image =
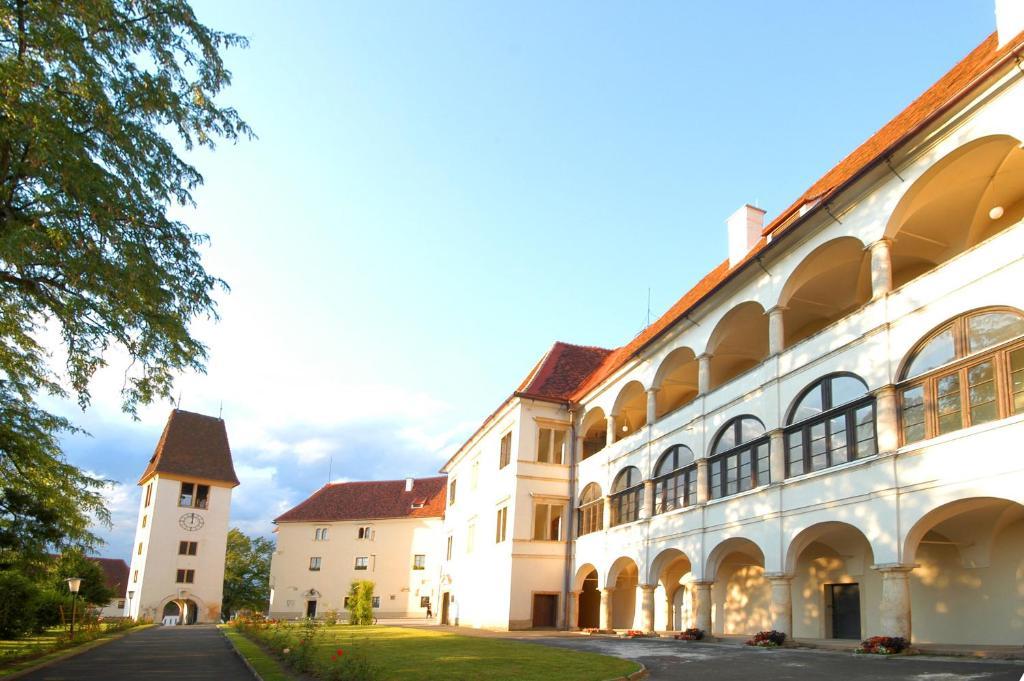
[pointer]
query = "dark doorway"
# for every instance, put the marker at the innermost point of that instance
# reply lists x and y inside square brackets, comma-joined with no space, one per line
[444,608]
[545,609]
[310,609]
[191,612]
[845,610]
[589,616]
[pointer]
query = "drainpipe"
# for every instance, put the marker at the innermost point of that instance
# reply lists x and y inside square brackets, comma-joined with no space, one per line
[570,524]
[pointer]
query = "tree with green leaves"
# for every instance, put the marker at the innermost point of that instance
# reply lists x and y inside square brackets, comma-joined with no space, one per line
[360,601]
[99,99]
[246,573]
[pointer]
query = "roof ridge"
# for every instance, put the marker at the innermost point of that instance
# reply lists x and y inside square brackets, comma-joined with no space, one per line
[377,482]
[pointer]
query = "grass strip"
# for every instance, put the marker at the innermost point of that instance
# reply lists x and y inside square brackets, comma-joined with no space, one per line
[266,666]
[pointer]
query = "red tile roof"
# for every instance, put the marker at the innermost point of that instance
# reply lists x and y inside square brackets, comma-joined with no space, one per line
[371,500]
[115,574]
[193,445]
[561,370]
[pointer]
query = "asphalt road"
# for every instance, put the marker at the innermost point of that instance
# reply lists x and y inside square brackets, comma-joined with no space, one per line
[667,659]
[196,653]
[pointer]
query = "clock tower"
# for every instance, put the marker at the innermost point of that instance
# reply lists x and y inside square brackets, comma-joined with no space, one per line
[181,536]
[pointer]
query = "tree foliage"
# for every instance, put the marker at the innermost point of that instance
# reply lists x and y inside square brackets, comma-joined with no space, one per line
[72,563]
[360,602]
[98,99]
[246,573]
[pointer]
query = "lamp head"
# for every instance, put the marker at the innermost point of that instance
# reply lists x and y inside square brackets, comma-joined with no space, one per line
[74,584]
[131,594]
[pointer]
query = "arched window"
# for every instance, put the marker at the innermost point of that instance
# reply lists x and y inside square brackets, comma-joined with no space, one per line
[967,372]
[627,496]
[591,510]
[675,480]
[739,458]
[831,422]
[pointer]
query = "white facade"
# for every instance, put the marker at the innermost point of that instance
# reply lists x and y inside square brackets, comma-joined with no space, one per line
[918,534]
[315,562]
[157,558]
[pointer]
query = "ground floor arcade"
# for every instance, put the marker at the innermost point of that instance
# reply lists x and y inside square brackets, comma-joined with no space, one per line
[959,579]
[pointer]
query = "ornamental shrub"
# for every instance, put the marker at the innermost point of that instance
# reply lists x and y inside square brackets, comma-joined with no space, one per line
[360,602]
[883,645]
[350,664]
[767,639]
[691,634]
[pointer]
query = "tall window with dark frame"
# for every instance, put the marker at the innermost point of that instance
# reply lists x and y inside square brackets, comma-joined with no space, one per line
[968,372]
[675,480]
[739,459]
[194,495]
[627,496]
[505,450]
[590,515]
[831,422]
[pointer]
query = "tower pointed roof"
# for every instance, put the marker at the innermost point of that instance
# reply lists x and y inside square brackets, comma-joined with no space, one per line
[193,445]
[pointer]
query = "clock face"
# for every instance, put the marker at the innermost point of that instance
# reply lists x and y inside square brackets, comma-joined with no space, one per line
[191,522]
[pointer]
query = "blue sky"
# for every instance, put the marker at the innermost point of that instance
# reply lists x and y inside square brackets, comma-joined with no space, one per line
[442,189]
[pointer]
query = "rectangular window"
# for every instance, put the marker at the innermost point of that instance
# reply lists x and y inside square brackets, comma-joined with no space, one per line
[120,604]
[547,522]
[187,548]
[194,496]
[981,393]
[419,561]
[912,400]
[320,534]
[474,475]
[362,562]
[187,495]
[344,604]
[505,450]
[470,538]
[1017,381]
[748,468]
[186,576]
[145,519]
[139,551]
[449,552]
[949,407]
[149,494]
[451,493]
[202,496]
[365,533]
[550,445]
[591,517]
[314,564]
[375,603]
[135,576]
[499,527]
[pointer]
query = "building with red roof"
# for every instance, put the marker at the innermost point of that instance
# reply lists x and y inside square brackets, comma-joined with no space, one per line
[819,437]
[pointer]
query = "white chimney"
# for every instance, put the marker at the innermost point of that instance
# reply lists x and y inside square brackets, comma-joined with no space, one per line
[408,484]
[745,227]
[1009,19]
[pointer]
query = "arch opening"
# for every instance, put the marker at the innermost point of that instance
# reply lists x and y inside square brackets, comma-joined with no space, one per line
[630,410]
[624,578]
[595,433]
[830,283]
[671,572]
[741,594]
[738,343]
[968,196]
[676,381]
[589,613]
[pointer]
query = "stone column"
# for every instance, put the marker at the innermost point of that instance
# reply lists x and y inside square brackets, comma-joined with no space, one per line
[647,608]
[670,609]
[606,513]
[574,611]
[776,331]
[782,603]
[702,604]
[647,508]
[652,405]
[881,268]
[777,455]
[886,419]
[895,603]
[610,429]
[606,608]
[703,373]
[702,481]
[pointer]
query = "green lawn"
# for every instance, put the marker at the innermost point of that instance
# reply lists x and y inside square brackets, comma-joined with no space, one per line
[425,655]
[266,666]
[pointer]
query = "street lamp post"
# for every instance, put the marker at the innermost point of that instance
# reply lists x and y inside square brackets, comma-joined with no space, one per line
[131,595]
[74,584]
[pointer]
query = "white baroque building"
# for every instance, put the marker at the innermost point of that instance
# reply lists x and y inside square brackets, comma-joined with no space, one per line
[822,437]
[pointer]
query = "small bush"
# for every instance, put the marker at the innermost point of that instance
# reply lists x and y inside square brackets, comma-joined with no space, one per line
[352,664]
[18,603]
[691,634]
[883,645]
[767,639]
[360,602]
[53,609]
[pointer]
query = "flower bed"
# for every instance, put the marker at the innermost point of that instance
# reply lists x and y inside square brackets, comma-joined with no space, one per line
[692,634]
[767,639]
[635,633]
[296,645]
[883,645]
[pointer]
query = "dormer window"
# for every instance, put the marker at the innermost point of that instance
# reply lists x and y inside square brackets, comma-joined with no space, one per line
[365,533]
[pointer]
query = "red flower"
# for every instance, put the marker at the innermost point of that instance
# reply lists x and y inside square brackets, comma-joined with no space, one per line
[340,652]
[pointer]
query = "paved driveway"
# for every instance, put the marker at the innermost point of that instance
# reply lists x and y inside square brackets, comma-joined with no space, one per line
[197,652]
[668,659]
